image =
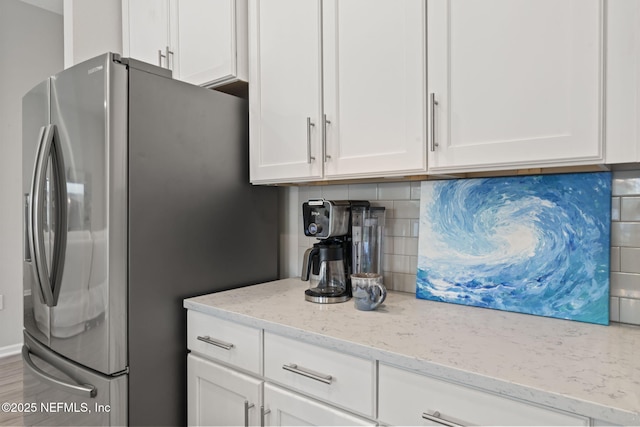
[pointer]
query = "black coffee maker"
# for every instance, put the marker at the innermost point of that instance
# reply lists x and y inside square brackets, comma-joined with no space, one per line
[328,264]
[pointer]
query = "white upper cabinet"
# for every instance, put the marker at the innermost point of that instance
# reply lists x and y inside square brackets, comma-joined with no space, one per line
[623,82]
[203,42]
[146,30]
[374,87]
[285,104]
[515,83]
[338,89]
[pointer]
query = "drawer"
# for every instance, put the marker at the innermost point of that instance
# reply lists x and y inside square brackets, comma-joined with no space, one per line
[405,396]
[344,380]
[225,341]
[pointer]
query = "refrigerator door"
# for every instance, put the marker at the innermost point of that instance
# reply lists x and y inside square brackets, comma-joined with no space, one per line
[58,392]
[36,116]
[80,311]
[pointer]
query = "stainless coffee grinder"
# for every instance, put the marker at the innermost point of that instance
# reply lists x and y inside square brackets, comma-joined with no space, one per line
[328,264]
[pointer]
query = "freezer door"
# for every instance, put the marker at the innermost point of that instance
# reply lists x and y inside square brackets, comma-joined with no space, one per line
[58,392]
[76,217]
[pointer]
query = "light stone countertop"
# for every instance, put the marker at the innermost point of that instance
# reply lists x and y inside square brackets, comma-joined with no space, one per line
[582,368]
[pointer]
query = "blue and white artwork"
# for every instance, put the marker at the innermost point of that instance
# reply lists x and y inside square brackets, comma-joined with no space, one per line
[529,244]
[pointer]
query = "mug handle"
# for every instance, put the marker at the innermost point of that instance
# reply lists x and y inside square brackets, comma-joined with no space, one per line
[383,294]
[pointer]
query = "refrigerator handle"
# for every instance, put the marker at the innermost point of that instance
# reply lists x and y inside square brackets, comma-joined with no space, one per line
[86,390]
[32,209]
[26,246]
[49,282]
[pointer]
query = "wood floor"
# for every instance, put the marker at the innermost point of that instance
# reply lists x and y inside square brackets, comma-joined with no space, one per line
[11,388]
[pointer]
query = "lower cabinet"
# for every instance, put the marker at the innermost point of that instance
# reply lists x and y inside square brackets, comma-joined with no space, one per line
[241,375]
[409,398]
[221,396]
[285,408]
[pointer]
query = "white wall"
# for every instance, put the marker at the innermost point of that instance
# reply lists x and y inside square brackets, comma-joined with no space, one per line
[91,28]
[32,49]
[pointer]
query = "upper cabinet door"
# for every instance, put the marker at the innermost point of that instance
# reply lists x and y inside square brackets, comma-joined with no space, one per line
[203,42]
[210,41]
[146,37]
[285,102]
[374,87]
[514,83]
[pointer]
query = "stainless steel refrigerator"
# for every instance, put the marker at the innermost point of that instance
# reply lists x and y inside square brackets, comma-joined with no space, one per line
[136,196]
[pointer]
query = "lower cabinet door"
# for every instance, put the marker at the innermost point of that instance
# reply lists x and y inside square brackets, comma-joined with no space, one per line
[221,396]
[284,408]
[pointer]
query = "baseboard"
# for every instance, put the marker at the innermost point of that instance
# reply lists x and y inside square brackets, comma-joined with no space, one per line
[10,350]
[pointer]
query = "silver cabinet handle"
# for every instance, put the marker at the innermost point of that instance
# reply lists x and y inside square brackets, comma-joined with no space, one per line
[309,125]
[169,56]
[292,367]
[434,103]
[324,138]
[85,390]
[160,56]
[215,342]
[263,412]
[434,416]
[247,406]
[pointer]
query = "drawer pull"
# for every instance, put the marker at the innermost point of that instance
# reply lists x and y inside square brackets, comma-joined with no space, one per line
[292,367]
[217,343]
[434,416]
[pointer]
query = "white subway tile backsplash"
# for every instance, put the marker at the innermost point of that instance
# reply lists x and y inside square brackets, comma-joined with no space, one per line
[389,245]
[404,245]
[335,192]
[363,191]
[630,209]
[614,309]
[625,285]
[413,264]
[625,234]
[415,190]
[626,183]
[615,209]
[630,260]
[310,192]
[394,191]
[398,264]
[406,208]
[415,227]
[614,259]
[403,282]
[630,311]
[398,227]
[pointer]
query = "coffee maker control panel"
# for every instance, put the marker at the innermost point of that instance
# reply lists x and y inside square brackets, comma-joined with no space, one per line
[325,218]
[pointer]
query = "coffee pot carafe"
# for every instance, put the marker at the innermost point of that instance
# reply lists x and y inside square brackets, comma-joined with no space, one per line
[324,267]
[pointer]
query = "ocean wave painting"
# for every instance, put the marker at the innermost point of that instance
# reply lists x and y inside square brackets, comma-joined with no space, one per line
[530,244]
